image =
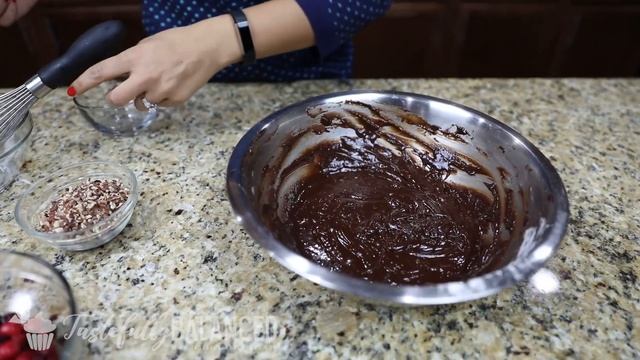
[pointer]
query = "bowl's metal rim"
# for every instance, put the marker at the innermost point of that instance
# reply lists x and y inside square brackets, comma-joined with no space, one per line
[430,294]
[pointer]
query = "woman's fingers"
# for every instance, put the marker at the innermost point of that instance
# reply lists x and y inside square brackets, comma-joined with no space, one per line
[157,94]
[4,5]
[178,97]
[12,10]
[108,69]
[23,7]
[166,68]
[169,103]
[127,91]
[8,12]
[168,96]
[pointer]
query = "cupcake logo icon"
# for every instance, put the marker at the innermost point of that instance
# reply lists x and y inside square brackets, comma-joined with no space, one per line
[39,333]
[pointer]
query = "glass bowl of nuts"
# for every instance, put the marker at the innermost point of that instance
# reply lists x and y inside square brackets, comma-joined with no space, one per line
[37,309]
[79,207]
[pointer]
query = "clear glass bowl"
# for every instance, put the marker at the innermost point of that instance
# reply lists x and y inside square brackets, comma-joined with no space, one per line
[35,200]
[32,288]
[111,120]
[13,151]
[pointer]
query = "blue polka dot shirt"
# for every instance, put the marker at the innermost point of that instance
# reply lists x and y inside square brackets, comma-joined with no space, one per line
[334,22]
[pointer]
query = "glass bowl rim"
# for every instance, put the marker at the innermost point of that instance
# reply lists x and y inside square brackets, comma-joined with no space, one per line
[77,101]
[57,273]
[27,120]
[78,236]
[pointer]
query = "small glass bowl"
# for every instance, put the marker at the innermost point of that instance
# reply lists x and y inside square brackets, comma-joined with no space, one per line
[111,120]
[32,288]
[12,152]
[39,196]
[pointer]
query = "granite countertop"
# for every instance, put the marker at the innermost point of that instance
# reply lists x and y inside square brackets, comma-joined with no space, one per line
[184,264]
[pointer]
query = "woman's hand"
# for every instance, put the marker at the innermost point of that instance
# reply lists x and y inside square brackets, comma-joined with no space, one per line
[168,67]
[12,10]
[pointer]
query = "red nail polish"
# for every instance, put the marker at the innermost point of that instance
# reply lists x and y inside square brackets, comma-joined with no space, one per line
[71,91]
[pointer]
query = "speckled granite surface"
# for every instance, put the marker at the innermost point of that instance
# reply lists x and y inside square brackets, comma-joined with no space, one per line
[187,274]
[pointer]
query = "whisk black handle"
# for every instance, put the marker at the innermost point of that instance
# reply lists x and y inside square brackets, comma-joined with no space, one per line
[98,43]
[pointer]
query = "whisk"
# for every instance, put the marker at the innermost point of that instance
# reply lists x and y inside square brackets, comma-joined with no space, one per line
[98,43]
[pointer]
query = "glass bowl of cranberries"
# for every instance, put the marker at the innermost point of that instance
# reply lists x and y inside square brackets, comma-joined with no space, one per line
[79,207]
[36,309]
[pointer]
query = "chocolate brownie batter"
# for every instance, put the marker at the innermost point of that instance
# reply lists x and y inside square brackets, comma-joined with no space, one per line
[376,202]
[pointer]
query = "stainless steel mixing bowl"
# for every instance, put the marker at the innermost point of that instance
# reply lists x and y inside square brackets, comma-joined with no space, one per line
[542,207]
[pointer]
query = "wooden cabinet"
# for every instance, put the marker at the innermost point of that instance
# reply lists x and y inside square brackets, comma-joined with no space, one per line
[52,26]
[502,38]
[601,42]
[410,41]
[416,38]
[17,61]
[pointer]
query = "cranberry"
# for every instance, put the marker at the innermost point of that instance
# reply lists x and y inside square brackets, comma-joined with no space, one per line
[11,329]
[52,354]
[49,354]
[6,317]
[31,355]
[13,343]
[21,340]
[10,349]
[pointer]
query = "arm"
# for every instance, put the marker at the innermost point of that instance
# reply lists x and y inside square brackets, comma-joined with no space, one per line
[279,26]
[335,22]
[12,10]
[171,65]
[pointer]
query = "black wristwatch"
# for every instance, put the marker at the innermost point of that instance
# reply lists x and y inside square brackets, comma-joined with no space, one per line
[245,36]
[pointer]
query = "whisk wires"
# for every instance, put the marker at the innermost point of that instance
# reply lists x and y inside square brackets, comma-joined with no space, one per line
[14,105]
